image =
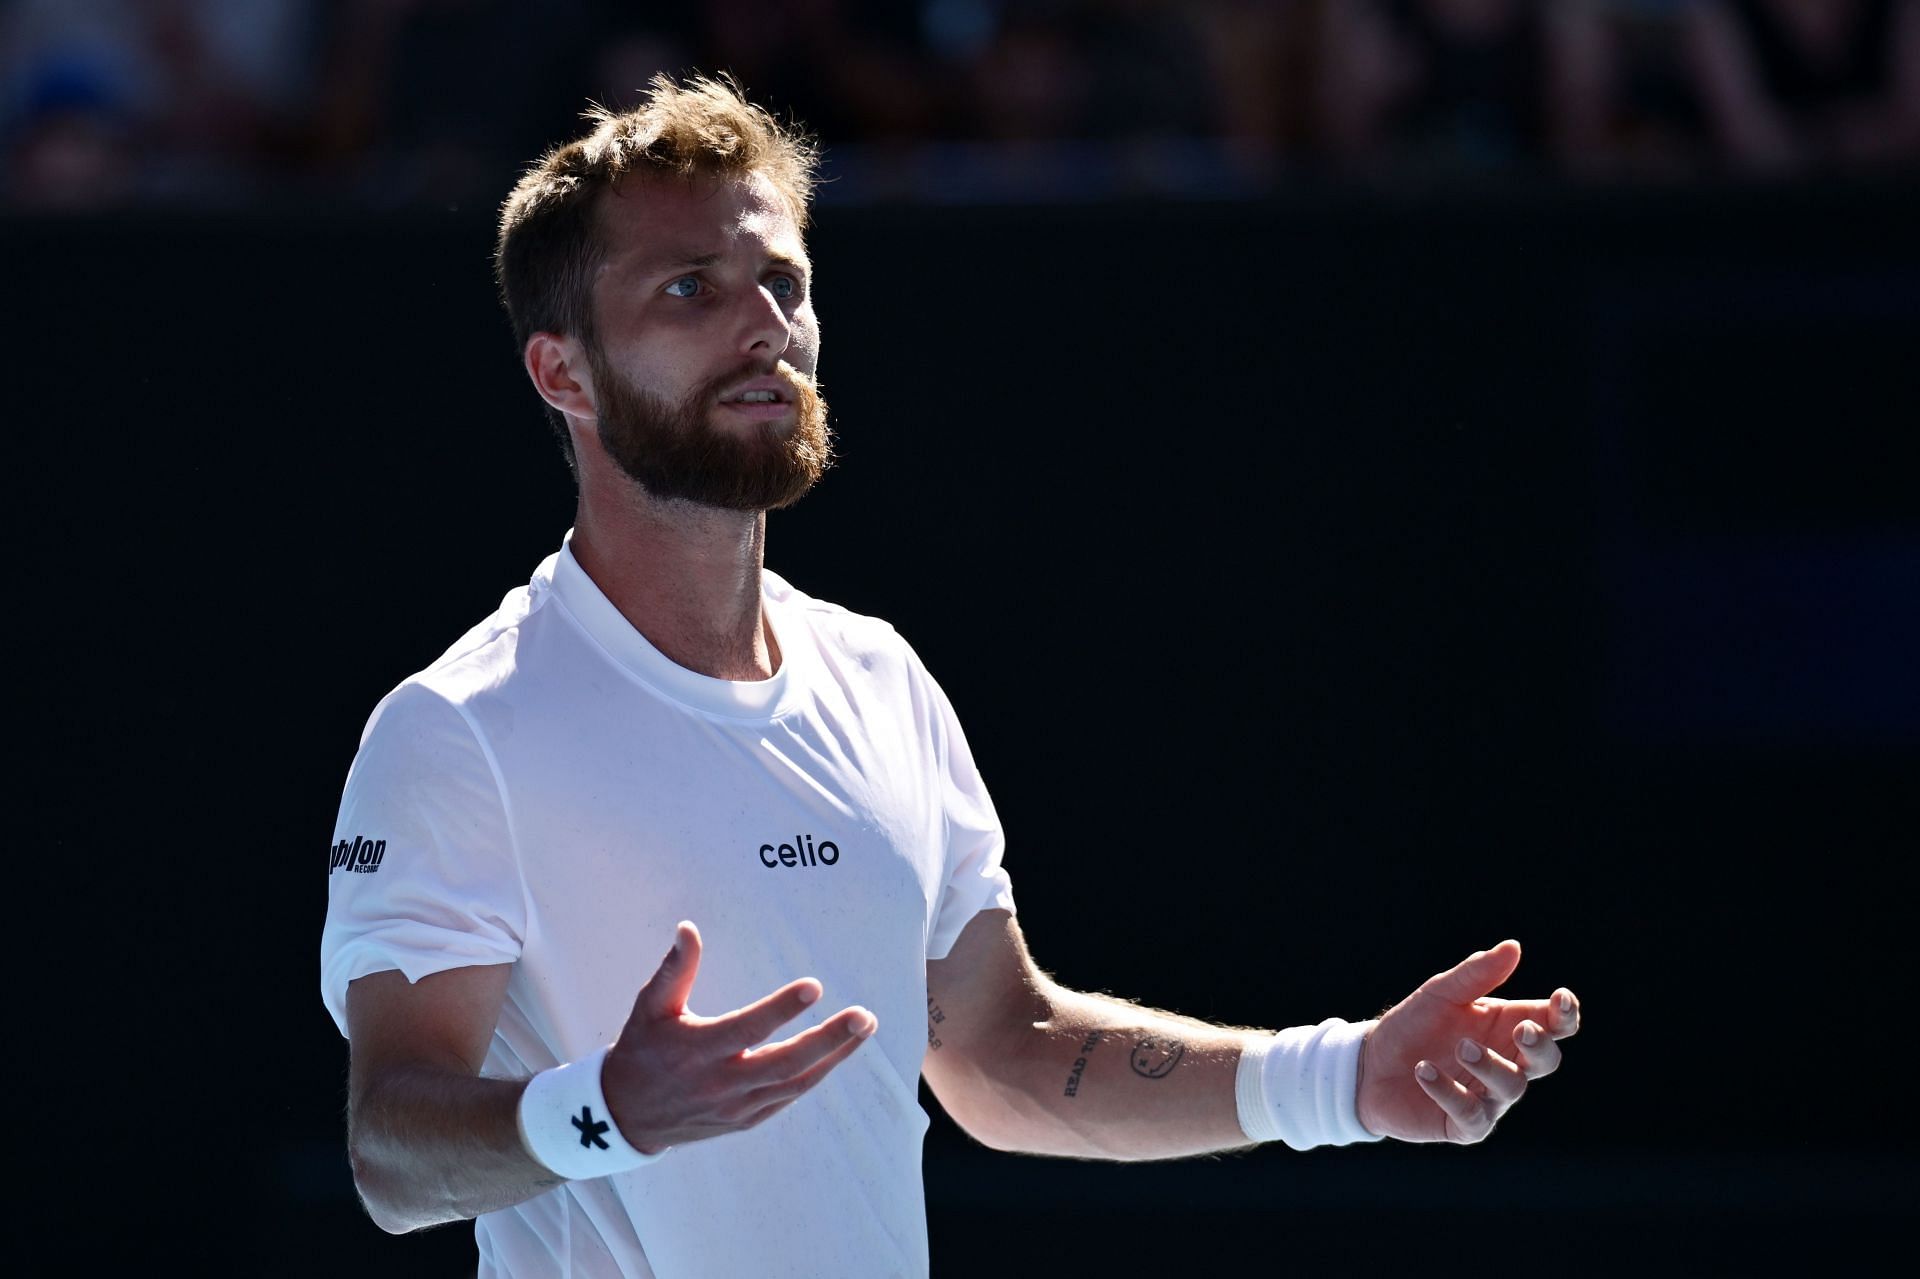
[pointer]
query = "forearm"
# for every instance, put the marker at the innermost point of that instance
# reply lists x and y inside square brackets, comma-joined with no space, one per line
[1025,1065]
[1098,1078]
[429,1146]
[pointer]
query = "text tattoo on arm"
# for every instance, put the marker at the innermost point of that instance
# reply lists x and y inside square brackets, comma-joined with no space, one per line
[1080,1063]
[934,1018]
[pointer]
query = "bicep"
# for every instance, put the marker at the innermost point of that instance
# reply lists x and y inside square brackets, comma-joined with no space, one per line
[981,998]
[444,1021]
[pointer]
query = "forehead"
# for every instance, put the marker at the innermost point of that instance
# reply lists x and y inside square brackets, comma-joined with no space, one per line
[662,220]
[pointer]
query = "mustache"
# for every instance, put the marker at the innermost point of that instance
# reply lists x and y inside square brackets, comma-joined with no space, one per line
[711,390]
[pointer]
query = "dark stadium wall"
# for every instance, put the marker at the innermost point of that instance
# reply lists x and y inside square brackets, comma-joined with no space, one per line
[1328,588]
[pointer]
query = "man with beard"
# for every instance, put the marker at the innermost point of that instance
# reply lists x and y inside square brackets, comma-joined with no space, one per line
[655,731]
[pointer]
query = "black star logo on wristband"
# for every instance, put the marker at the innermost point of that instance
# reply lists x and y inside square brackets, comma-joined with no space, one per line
[590,1128]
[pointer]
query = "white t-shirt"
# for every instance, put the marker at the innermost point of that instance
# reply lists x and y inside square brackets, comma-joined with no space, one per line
[556,794]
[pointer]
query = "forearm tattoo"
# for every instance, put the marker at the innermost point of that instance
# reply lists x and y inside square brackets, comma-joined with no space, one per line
[1156,1055]
[1080,1063]
[1153,1057]
[934,1018]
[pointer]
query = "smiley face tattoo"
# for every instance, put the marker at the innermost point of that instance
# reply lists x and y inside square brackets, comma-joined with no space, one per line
[1156,1055]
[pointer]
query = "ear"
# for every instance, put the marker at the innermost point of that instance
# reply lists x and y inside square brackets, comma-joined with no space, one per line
[558,367]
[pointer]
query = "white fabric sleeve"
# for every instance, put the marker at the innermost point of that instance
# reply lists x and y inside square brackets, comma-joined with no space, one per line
[422,872]
[975,880]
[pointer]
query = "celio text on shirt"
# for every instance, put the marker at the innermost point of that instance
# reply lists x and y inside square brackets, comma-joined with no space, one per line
[801,852]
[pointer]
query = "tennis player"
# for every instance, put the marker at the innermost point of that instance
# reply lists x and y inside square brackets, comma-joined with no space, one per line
[639,893]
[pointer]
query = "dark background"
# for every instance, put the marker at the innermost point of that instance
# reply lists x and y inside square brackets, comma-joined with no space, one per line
[1375,477]
[1330,585]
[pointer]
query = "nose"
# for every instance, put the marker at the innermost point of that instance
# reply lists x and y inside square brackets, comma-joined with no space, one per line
[765,329]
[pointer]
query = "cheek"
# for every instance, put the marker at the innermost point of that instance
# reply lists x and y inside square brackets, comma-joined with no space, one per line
[805,343]
[663,374]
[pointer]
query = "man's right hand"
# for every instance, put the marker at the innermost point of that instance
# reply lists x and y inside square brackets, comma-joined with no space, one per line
[673,1077]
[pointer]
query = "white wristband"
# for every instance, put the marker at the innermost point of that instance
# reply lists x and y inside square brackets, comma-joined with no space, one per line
[565,1123]
[1301,1086]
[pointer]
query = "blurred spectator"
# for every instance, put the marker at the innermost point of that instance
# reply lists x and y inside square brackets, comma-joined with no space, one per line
[393,102]
[626,45]
[109,100]
[860,70]
[70,134]
[1654,126]
[778,52]
[425,100]
[1794,85]
[625,61]
[1031,81]
[1459,85]
[1259,60]
[1148,72]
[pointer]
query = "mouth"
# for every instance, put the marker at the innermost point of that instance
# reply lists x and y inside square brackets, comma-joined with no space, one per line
[763,399]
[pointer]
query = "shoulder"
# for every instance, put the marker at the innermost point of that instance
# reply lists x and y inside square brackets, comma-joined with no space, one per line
[835,629]
[485,658]
[866,652]
[434,707]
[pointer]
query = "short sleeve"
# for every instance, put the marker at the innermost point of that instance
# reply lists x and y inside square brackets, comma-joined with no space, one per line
[422,873]
[975,880]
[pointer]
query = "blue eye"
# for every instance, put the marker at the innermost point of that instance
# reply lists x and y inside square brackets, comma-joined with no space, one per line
[783,286]
[692,283]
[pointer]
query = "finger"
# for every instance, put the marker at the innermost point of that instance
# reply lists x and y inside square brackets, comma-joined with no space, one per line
[787,1089]
[1467,1115]
[748,1026]
[774,1063]
[1539,1056]
[666,992]
[1563,1014]
[760,1116]
[1502,1079]
[1475,975]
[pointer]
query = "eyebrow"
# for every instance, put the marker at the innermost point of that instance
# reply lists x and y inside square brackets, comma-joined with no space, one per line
[674,259]
[681,257]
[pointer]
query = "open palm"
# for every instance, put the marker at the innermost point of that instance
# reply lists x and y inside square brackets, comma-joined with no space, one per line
[1447,1061]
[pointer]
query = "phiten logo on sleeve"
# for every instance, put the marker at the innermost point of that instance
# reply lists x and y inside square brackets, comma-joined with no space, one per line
[361,857]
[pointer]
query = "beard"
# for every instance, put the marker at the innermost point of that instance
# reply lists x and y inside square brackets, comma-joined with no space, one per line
[675,452]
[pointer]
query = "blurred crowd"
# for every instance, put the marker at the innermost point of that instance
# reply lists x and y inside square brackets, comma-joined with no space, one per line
[209,103]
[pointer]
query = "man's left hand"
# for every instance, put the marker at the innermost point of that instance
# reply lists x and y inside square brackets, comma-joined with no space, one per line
[1448,1060]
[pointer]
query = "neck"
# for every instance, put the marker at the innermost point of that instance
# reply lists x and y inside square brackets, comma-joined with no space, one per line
[687,577]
